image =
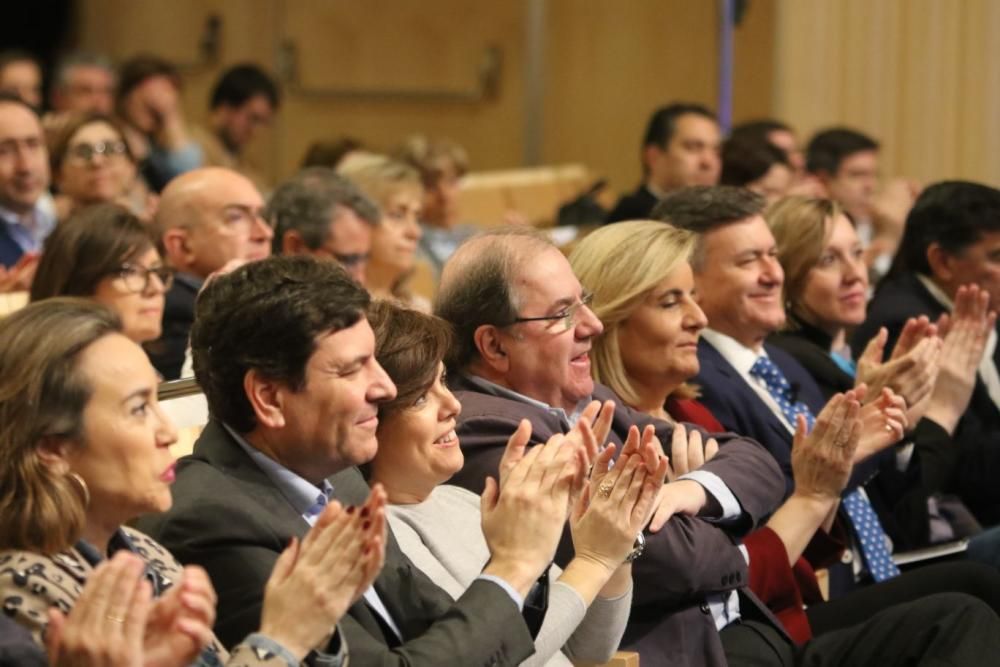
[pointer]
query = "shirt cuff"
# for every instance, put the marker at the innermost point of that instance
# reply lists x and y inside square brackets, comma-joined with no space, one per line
[745,552]
[264,645]
[514,595]
[714,486]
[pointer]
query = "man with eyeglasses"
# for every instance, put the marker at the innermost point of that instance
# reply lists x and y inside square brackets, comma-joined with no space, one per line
[27,214]
[320,213]
[523,335]
[208,219]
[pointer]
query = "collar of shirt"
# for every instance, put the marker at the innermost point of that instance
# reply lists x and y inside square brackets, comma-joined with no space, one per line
[936,291]
[190,280]
[498,390]
[307,499]
[119,541]
[655,191]
[736,353]
[30,229]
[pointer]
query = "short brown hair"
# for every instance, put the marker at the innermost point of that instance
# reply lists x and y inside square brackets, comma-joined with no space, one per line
[800,229]
[89,246]
[43,395]
[409,345]
[60,140]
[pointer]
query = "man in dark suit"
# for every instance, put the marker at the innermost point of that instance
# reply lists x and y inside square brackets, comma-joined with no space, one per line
[26,211]
[523,333]
[952,238]
[207,218]
[285,356]
[680,148]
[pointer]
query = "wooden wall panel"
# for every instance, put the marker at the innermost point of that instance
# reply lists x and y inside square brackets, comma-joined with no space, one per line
[607,65]
[922,76]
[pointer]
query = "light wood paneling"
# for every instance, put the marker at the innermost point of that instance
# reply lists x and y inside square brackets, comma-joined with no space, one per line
[922,76]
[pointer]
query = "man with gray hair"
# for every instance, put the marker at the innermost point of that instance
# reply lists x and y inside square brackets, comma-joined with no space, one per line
[83,82]
[320,213]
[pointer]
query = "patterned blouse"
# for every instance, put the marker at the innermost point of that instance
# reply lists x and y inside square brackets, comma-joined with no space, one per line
[31,583]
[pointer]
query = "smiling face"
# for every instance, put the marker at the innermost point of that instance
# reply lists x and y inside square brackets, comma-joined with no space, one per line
[545,360]
[141,312]
[330,422]
[739,280]
[417,445]
[124,456]
[102,176]
[835,290]
[658,341]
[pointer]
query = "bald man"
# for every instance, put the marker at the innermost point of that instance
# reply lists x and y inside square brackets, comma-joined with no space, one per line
[207,219]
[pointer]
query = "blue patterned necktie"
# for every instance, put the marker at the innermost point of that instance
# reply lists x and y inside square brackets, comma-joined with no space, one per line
[871,537]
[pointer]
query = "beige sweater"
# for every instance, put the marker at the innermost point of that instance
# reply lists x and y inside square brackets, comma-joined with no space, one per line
[443,537]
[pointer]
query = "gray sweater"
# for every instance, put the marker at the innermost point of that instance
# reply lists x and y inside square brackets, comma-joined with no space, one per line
[443,537]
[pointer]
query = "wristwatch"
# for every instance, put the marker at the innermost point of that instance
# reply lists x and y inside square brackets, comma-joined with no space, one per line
[637,548]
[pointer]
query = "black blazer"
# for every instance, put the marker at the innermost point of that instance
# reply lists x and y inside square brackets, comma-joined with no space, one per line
[978,432]
[635,206]
[899,497]
[229,518]
[167,352]
[17,648]
[10,251]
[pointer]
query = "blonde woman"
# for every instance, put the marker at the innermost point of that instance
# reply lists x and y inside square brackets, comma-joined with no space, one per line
[397,190]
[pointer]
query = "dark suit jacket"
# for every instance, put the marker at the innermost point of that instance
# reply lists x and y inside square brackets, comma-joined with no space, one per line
[635,206]
[739,408]
[978,432]
[167,351]
[899,497]
[689,558]
[229,518]
[17,648]
[10,251]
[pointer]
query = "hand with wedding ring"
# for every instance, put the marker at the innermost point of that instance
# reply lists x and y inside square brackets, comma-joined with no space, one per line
[883,422]
[106,625]
[822,460]
[605,522]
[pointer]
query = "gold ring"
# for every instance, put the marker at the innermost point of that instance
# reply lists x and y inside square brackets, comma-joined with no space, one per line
[606,488]
[115,619]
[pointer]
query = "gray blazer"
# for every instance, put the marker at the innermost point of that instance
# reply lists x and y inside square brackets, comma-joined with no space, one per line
[229,518]
[689,558]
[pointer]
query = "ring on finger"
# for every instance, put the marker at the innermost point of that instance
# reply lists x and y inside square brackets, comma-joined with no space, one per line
[115,619]
[606,488]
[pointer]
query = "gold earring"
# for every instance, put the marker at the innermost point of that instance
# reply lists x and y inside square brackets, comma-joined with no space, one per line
[82,486]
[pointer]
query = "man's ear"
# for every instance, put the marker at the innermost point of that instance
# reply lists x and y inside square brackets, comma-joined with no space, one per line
[54,453]
[492,347]
[265,398]
[292,243]
[940,261]
[650,154]
[177,247]
[822,178]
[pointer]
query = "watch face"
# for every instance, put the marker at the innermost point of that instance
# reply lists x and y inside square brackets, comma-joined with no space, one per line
[637,548]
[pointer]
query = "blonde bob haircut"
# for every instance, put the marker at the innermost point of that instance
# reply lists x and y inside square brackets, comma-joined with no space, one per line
[42,398]
[620,265]
[381,177]
[800,229]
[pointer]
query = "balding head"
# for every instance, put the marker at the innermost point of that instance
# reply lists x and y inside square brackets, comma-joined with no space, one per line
[477,281]
[520,317]
[211,216]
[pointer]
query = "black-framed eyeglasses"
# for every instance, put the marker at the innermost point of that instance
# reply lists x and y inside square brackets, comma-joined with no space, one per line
[136,278]
[568,315]
[86,152]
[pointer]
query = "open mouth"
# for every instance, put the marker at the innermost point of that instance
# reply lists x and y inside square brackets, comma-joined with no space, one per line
[170,474]
[449,439]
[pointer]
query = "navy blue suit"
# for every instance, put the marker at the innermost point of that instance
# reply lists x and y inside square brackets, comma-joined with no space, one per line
[10,251]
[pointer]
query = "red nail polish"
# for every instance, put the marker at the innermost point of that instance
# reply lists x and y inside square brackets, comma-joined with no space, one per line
[350,510]
[365,512]
[366,525]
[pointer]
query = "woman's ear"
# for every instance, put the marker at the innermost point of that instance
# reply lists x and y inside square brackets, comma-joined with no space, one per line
[265,398]
[53,451]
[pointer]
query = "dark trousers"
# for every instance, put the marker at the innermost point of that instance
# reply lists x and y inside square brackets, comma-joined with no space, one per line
[938,630]
[977,580]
